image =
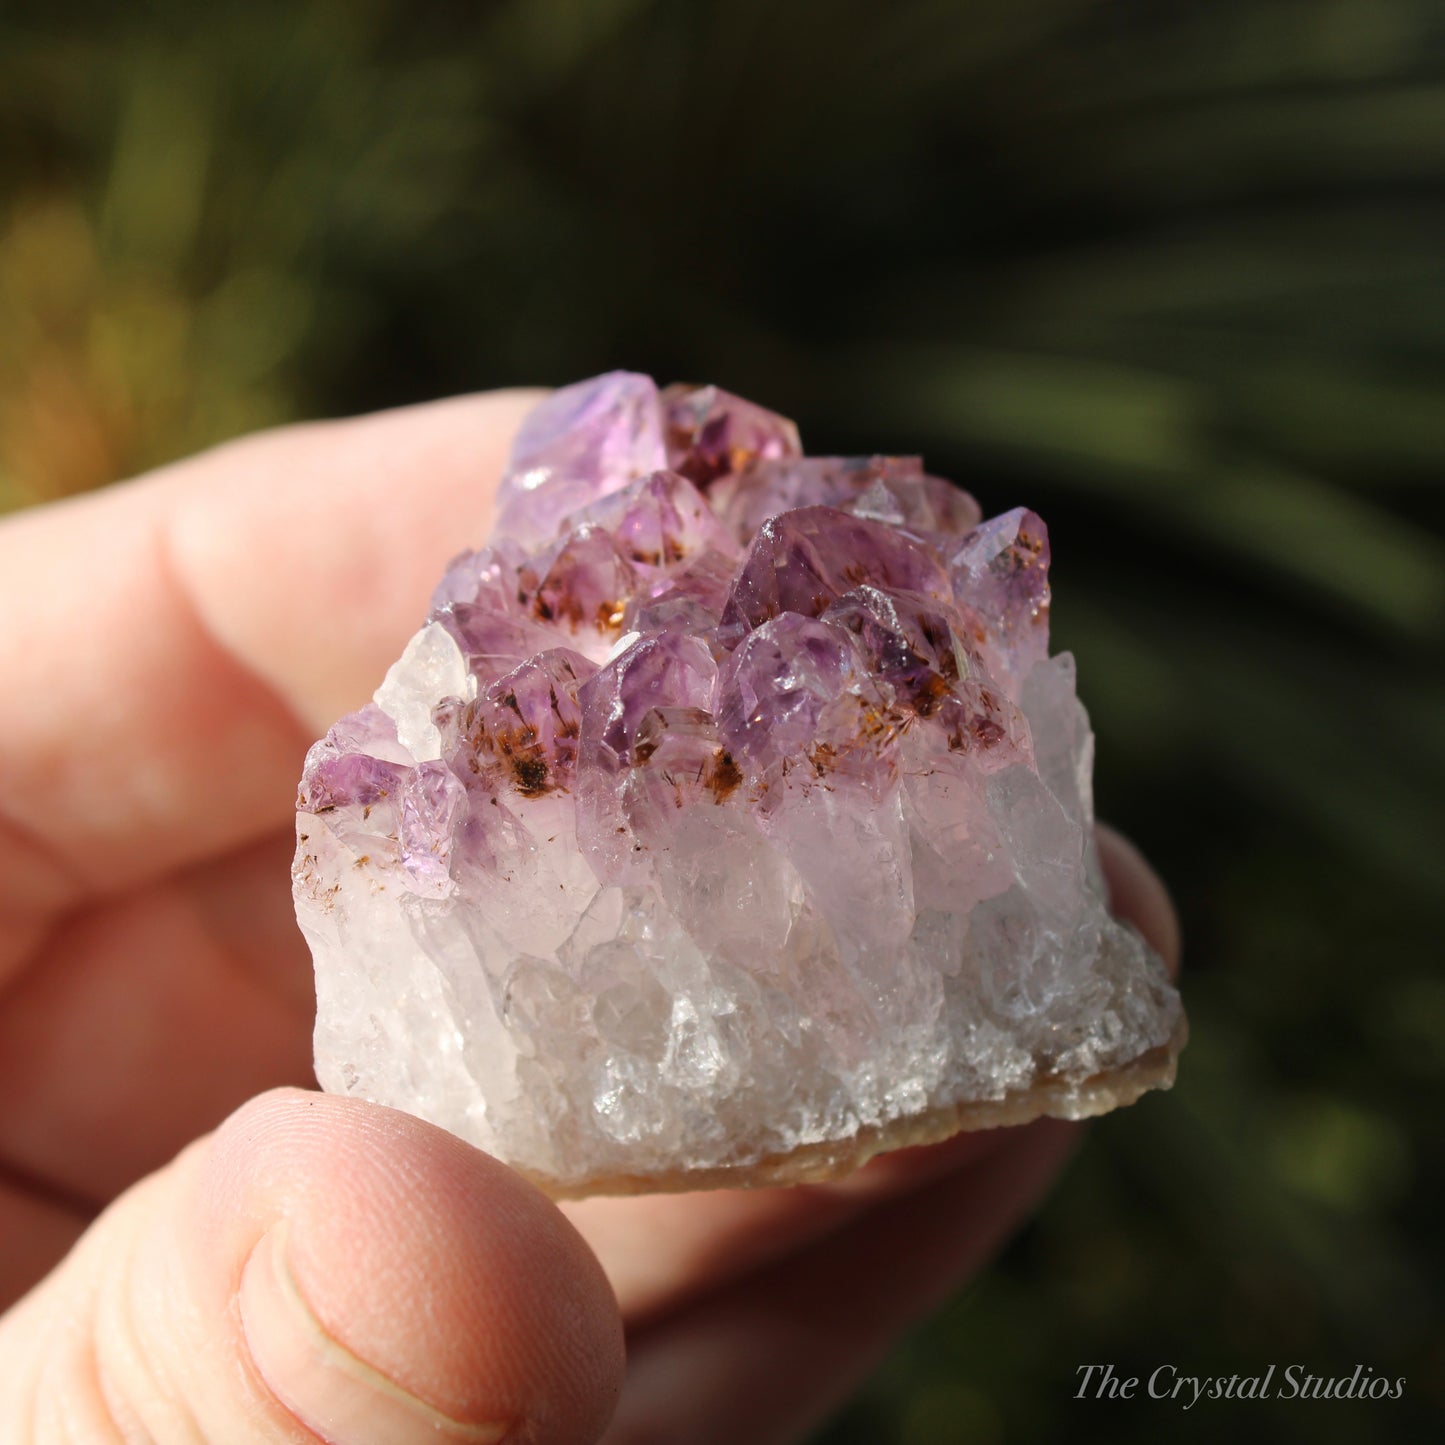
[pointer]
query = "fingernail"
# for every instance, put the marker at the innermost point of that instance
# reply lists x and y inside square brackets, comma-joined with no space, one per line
[342,1399]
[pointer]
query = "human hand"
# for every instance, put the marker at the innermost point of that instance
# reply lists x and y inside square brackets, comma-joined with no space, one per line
[169,649]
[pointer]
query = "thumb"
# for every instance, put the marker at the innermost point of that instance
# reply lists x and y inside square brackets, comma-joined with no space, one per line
[319,1269]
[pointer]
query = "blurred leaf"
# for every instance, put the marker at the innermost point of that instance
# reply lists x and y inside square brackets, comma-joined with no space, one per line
[1331,1150]
[1152,441]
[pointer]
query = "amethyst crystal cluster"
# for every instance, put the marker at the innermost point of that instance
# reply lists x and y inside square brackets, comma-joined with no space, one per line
[727,820]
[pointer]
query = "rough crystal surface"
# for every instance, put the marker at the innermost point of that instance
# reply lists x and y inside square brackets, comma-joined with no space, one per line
[727,820]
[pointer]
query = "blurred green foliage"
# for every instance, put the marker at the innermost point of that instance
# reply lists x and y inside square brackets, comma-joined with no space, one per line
[1173,274]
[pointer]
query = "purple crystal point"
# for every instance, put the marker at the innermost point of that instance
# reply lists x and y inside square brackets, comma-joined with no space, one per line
[479,603]
[1002,567]
[803,560]
[482,578]
[725,820]
[368,734]
[352,796]
[521,734]
[431,800]
[689,600]
[678,763]
[777,684]
[581,443]
[894,490]
[922,651]
[580,586]
[661,523]
[352,781]
[672,672]
[710,433]
[493,642]
[923,505]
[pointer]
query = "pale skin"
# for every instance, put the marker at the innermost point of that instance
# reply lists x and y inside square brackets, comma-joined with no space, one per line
[312,1268]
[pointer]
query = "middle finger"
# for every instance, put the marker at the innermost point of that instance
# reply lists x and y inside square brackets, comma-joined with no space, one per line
[148,1019]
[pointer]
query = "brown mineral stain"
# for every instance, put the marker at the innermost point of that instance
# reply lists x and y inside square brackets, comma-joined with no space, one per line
[928,696]
[559,602]
[986,731]
[531,775]
[823,756]
[941,641]
[518,740]
[726,776]
[878,723]
[700,467]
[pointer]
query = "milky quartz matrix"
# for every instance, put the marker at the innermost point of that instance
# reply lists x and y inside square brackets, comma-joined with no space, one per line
[726,822]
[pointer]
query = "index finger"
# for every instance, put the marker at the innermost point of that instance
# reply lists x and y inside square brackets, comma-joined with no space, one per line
[171,646]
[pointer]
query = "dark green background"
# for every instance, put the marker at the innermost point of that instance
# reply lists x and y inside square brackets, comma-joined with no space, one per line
[1172,273]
